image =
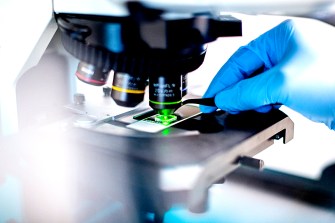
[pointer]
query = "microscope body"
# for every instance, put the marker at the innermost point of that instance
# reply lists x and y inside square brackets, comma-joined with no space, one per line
[25,36]
[142,44]
[146,47]
[158,35]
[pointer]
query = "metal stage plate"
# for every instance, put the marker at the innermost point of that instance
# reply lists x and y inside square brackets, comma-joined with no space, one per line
[79,168]
[192,141]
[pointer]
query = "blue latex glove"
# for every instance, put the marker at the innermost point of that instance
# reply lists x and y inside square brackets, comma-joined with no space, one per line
[299,72]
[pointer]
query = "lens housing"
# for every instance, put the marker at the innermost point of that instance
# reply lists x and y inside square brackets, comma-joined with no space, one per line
[165,92]
[128,90]
[141,45]
[91,74]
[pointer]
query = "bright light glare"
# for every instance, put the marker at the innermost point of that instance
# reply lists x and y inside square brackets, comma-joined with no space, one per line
[179,178]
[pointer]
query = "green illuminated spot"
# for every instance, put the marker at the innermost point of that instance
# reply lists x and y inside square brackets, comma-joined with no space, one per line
[165,112]
[165,119]
[166,132]
[165,102]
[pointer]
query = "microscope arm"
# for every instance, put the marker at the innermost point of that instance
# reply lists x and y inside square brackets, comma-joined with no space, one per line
[283,7]
[117,8]
[26,30]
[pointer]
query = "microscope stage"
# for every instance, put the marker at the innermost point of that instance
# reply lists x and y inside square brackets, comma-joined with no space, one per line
[192,139]
[145,172]
[181,161]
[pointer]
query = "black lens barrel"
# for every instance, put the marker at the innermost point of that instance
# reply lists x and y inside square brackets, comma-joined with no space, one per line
[91,74]
[165,92]
[128,90]
[139,48]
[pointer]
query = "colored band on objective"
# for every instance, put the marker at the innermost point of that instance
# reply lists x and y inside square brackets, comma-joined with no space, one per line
[165,103]
[127,90]
[89,80]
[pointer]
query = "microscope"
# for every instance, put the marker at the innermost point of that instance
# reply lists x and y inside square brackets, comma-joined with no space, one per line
[147,48]
[151,157]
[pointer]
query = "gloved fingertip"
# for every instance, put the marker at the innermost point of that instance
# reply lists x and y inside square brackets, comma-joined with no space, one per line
[267,108]
[276,106]
[207,109]
[264,109]
[332,125]
[233,112]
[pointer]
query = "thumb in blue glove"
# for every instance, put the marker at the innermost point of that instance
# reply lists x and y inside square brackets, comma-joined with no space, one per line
[299,72]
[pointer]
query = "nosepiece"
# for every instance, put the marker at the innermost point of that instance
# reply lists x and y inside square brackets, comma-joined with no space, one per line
[146,44]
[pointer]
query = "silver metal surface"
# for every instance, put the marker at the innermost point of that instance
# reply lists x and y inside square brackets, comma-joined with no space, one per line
[96,165]
[201,155]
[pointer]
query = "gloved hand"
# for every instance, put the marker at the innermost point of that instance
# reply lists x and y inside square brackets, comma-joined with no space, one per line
[299,71]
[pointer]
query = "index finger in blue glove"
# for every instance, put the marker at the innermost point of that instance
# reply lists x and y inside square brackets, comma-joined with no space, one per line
[257,93]
[243,63]
[265,51]
[240,65]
